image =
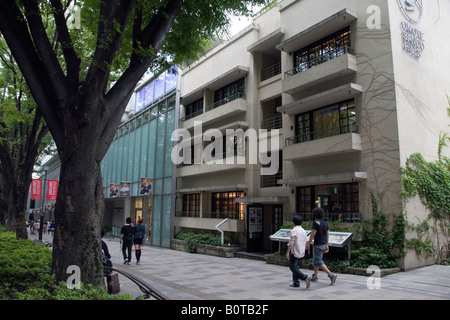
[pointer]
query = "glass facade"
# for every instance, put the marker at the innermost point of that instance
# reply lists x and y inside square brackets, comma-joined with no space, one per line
[323,50]
[339,201]
[339,118]
[140,158]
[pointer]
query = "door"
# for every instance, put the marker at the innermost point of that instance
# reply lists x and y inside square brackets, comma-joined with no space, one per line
[255,241]
[277,222]
[325,203]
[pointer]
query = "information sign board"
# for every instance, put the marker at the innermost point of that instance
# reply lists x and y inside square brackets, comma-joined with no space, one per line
[335,239]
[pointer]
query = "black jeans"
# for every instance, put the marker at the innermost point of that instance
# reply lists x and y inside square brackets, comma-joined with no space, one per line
[296,273]
[127,245]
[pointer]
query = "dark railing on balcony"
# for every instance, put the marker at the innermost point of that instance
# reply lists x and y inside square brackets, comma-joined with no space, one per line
[272,123]
[335,131]
[335,216]
[214,215]
[271,71]
[190,214]
[324,57]
[192,115]
[271,181]
[239,95]
[221,215]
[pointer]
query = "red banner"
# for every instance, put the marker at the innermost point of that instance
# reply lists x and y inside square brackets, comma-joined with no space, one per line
[36,189]
[52,189]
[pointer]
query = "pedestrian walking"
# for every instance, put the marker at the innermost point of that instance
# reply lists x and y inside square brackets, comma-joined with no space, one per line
[139,234]
[296,252]
[126,238]
[320,234]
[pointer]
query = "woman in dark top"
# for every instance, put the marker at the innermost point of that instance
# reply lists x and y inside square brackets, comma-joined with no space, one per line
[139,234]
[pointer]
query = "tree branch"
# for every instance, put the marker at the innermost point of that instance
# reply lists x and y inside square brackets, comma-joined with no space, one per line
[45,49]
[152,36]
[14,29]
[114,16]
[70,56]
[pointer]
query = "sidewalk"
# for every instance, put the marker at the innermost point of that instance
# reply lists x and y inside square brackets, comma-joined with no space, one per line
[186,276]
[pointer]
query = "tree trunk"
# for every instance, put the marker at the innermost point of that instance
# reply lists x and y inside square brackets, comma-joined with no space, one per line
[78,217]
[14,218]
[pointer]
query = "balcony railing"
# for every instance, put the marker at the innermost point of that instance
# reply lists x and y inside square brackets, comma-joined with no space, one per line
[239,95]
[271,181]
[271,71]
[272,123]
[350,217]
[335,131]
[191,214]
[223,215]
[324,57]
[192,115]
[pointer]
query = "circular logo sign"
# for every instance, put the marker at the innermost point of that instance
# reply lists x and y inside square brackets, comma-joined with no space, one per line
[412,9]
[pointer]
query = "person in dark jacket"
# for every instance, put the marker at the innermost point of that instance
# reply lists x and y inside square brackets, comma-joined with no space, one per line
[126,238]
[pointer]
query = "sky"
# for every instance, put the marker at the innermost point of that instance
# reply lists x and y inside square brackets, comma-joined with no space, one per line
[239,23]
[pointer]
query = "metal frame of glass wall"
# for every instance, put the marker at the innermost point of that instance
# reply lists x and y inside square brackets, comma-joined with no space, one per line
[141,153]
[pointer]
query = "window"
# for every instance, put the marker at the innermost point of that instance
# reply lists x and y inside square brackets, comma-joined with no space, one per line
[230,92]
[339,118]
[267,181]
[194,109]
[224,205]
[339,201]
[191,205]
[323,50]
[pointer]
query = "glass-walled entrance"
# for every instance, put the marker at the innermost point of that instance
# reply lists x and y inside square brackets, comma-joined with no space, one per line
[137,170]
[142,208]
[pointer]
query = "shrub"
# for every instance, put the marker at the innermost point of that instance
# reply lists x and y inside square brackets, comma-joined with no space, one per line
[381,246]
[25,274]
[23,266]
[204,238]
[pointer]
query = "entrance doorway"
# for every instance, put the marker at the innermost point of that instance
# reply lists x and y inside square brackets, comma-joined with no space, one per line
[263,221]
[254,228]
[142,208]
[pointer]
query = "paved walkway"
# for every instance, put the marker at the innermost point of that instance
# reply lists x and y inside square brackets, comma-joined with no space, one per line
[186,276]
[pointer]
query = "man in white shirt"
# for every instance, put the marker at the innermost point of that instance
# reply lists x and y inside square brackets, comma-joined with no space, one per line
[296,252]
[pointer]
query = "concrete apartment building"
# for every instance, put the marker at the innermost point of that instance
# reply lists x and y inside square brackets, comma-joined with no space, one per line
[354,87]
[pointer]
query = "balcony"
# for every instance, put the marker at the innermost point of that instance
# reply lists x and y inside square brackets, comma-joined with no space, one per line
[326,68]
[324,144]
[272,123]
[228,107]
[210,165]
[207,223]
[271,71]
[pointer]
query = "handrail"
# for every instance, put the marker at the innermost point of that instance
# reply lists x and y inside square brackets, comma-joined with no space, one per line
[330,55]
[147,289]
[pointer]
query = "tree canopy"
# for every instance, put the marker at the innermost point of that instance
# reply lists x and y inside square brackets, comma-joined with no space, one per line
[82,78]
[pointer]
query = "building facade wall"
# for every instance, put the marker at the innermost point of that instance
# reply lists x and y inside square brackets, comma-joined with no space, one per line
[366,86]
[422,86]
[137,169]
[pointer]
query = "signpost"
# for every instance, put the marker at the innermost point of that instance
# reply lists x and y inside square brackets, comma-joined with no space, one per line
[336,239]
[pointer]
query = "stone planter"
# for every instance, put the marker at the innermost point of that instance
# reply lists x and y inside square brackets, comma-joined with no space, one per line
[218,251]
[363,271]
[276,259]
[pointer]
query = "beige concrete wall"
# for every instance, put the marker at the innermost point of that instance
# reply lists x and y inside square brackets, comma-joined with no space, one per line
[421,89]
[402,108]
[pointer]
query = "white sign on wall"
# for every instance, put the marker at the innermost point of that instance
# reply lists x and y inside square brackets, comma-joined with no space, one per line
[413,40]
[412,9]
